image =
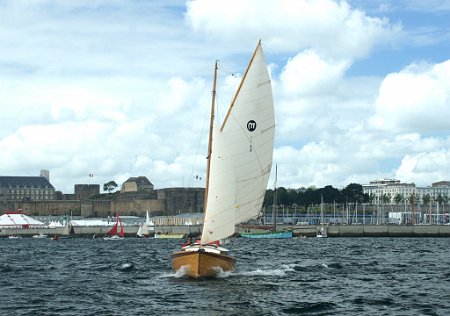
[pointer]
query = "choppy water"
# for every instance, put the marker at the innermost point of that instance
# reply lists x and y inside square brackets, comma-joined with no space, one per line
[333,276]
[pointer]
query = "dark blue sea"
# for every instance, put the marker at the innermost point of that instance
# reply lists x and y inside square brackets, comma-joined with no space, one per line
[333,276]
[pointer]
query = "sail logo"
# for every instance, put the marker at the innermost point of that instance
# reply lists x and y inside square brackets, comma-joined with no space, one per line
[251,125]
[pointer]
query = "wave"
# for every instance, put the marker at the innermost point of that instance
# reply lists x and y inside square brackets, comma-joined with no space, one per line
[180,273]
[306,307]
[126,267]
[268,272]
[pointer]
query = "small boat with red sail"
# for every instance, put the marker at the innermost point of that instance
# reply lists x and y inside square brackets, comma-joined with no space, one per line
[116,232]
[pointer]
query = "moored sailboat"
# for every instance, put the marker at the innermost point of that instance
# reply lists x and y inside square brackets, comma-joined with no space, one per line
[273,233]
[322,230]
[238,168]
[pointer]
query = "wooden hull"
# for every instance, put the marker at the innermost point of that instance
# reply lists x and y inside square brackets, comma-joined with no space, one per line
[199,264]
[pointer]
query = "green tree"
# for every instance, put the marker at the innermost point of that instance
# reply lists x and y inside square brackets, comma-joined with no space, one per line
[283,196]
[386,198]
[426,199]
[354,193]
[331,194]
[110,186]
[292,193]
[440,199]
[399,198]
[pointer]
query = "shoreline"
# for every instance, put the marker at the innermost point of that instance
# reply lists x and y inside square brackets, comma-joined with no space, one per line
[333,231]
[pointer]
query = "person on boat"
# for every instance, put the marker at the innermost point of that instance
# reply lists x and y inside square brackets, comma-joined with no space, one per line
[187,243]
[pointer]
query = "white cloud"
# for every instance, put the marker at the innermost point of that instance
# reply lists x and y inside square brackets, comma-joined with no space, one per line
[330,27]
[422,167]
[415,99]
[308,73]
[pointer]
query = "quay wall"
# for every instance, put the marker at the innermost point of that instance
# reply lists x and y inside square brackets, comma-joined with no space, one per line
[377,230]
[187,230]
[306,230]
[99,231]
[63,231]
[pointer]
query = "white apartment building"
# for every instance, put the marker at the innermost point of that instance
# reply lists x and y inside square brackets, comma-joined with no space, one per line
[392,187]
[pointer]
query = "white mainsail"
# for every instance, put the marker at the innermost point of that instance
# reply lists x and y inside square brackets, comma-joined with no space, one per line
[241,157]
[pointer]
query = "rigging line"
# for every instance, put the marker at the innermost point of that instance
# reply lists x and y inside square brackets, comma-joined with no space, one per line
[219,108]
[225,70]
[205,119]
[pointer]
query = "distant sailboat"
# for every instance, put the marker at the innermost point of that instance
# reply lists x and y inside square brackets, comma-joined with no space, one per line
[147,228]
[322,230]
[238,168]
[116,232]
[142,231]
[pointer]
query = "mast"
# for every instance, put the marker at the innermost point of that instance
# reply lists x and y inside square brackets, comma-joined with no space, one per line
[321,209]
[274,209]
[211,126]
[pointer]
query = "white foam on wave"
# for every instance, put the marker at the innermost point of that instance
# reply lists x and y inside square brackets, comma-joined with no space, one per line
[290,267]
[269,272]
[126,265]
[222,274]
[181,272]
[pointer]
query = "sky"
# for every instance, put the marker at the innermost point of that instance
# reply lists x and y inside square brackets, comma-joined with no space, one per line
[122,88]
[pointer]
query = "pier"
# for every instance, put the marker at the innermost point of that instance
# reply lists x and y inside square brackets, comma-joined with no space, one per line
[376,230]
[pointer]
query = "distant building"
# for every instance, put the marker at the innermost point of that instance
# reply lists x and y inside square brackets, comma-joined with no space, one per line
[86,191]
[36,195]
[26,188]
[441,184]
[182,200]
[137,184]
[392,188]
[45,174]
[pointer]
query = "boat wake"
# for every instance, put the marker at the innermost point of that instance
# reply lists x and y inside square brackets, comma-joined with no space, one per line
[222,274]
[180,273]
[283,270]
[261,272]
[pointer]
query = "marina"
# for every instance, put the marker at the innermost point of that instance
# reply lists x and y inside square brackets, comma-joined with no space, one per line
[179,232]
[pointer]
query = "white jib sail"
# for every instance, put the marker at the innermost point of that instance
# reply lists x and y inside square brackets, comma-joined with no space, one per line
[241,157]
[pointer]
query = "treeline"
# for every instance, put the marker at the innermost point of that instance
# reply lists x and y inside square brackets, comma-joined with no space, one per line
[352,194]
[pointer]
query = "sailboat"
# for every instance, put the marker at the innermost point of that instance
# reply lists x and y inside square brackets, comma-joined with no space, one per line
[239,161]
[115,233]
[146,227]
[273,233]
[322,230]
